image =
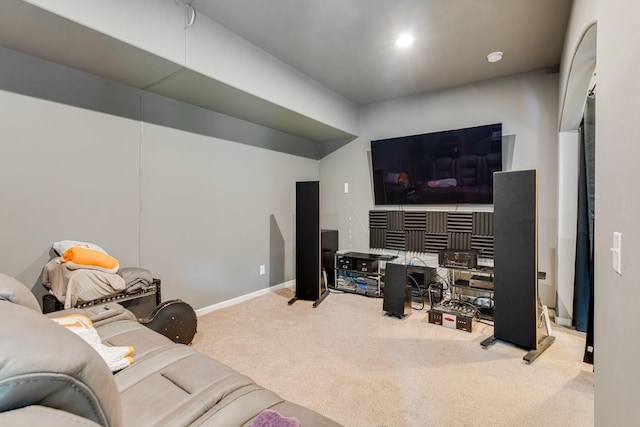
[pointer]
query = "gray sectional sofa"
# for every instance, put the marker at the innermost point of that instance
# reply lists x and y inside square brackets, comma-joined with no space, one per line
[50,376]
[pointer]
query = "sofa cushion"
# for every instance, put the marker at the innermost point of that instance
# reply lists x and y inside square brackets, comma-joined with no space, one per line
[127,333]
[240,408]
[175,387]
[14,291]
[42,363]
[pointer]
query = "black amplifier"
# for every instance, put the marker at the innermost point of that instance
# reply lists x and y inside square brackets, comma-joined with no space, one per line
[452,258]
[367,265]
[346,263]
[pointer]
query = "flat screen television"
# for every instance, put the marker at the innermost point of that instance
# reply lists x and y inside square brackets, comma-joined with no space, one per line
[448,167]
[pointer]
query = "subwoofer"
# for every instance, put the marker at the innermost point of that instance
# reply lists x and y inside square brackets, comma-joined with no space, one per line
[397,291]
[329,246]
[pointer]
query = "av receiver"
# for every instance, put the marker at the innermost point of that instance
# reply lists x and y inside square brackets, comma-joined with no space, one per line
[452,258]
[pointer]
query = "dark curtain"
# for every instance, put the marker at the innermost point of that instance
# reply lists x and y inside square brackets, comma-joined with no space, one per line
[583,284]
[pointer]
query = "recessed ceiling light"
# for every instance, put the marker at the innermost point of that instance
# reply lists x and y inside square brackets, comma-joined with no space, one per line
[494,56]
[404,40]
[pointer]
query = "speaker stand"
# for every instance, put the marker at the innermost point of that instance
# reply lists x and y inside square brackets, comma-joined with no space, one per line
[542,346]
[323,295]
[532,354]
[316,302]
[489,341]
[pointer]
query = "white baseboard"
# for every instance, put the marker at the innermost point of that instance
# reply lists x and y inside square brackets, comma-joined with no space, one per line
[237,300]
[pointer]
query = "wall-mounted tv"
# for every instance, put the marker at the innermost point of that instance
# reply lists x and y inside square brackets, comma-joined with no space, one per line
[449,167]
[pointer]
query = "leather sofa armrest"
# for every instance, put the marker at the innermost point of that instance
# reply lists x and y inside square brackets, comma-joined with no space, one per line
[42,415]
[14,291]
[47,365]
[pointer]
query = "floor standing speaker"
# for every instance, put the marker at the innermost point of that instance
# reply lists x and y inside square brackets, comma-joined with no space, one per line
[515,246]
[308,248]
[397,291]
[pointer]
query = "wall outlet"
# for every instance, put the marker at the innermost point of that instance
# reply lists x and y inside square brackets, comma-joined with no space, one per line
[262,269]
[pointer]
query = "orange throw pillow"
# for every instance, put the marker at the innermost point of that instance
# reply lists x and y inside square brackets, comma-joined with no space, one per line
[91,258]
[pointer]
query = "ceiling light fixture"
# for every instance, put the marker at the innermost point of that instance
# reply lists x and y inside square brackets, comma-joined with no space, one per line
[494,56]
[404,40]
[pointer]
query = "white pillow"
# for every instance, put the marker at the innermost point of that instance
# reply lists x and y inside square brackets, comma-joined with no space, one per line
[62,246]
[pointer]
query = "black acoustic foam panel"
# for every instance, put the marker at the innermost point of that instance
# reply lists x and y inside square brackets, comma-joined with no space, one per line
[515,257]
[431,231]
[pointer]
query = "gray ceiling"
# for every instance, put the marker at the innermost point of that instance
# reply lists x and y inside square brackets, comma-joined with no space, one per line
[348,45]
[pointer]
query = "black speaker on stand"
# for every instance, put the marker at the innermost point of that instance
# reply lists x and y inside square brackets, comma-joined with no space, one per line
[517,309]
[397,291]
[308,244]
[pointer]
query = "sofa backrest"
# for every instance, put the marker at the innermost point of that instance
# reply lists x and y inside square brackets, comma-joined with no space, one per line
[42,363]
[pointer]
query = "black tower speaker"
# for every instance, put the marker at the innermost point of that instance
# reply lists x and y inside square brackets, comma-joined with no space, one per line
[515,246]
[308,250]
[397,290]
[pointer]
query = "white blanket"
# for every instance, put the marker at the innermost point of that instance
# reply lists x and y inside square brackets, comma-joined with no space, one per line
[116,358]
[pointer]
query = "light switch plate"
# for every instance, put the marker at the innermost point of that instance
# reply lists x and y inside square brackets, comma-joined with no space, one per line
[616,251]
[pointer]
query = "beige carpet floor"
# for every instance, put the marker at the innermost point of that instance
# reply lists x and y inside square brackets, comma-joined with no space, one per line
[360,367]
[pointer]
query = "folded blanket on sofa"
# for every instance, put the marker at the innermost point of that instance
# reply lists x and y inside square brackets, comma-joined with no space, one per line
[73,286]
[116,358]
[136,278]
[81,257]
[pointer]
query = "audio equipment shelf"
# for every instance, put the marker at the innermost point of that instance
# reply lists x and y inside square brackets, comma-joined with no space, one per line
[360,273]
[471,282]
[474,285]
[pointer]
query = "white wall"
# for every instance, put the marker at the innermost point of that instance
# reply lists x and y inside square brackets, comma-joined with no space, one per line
[583,16]
[568,172]
[67,173]
[525,104]
[201,212]
[206,210]
[617,342]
